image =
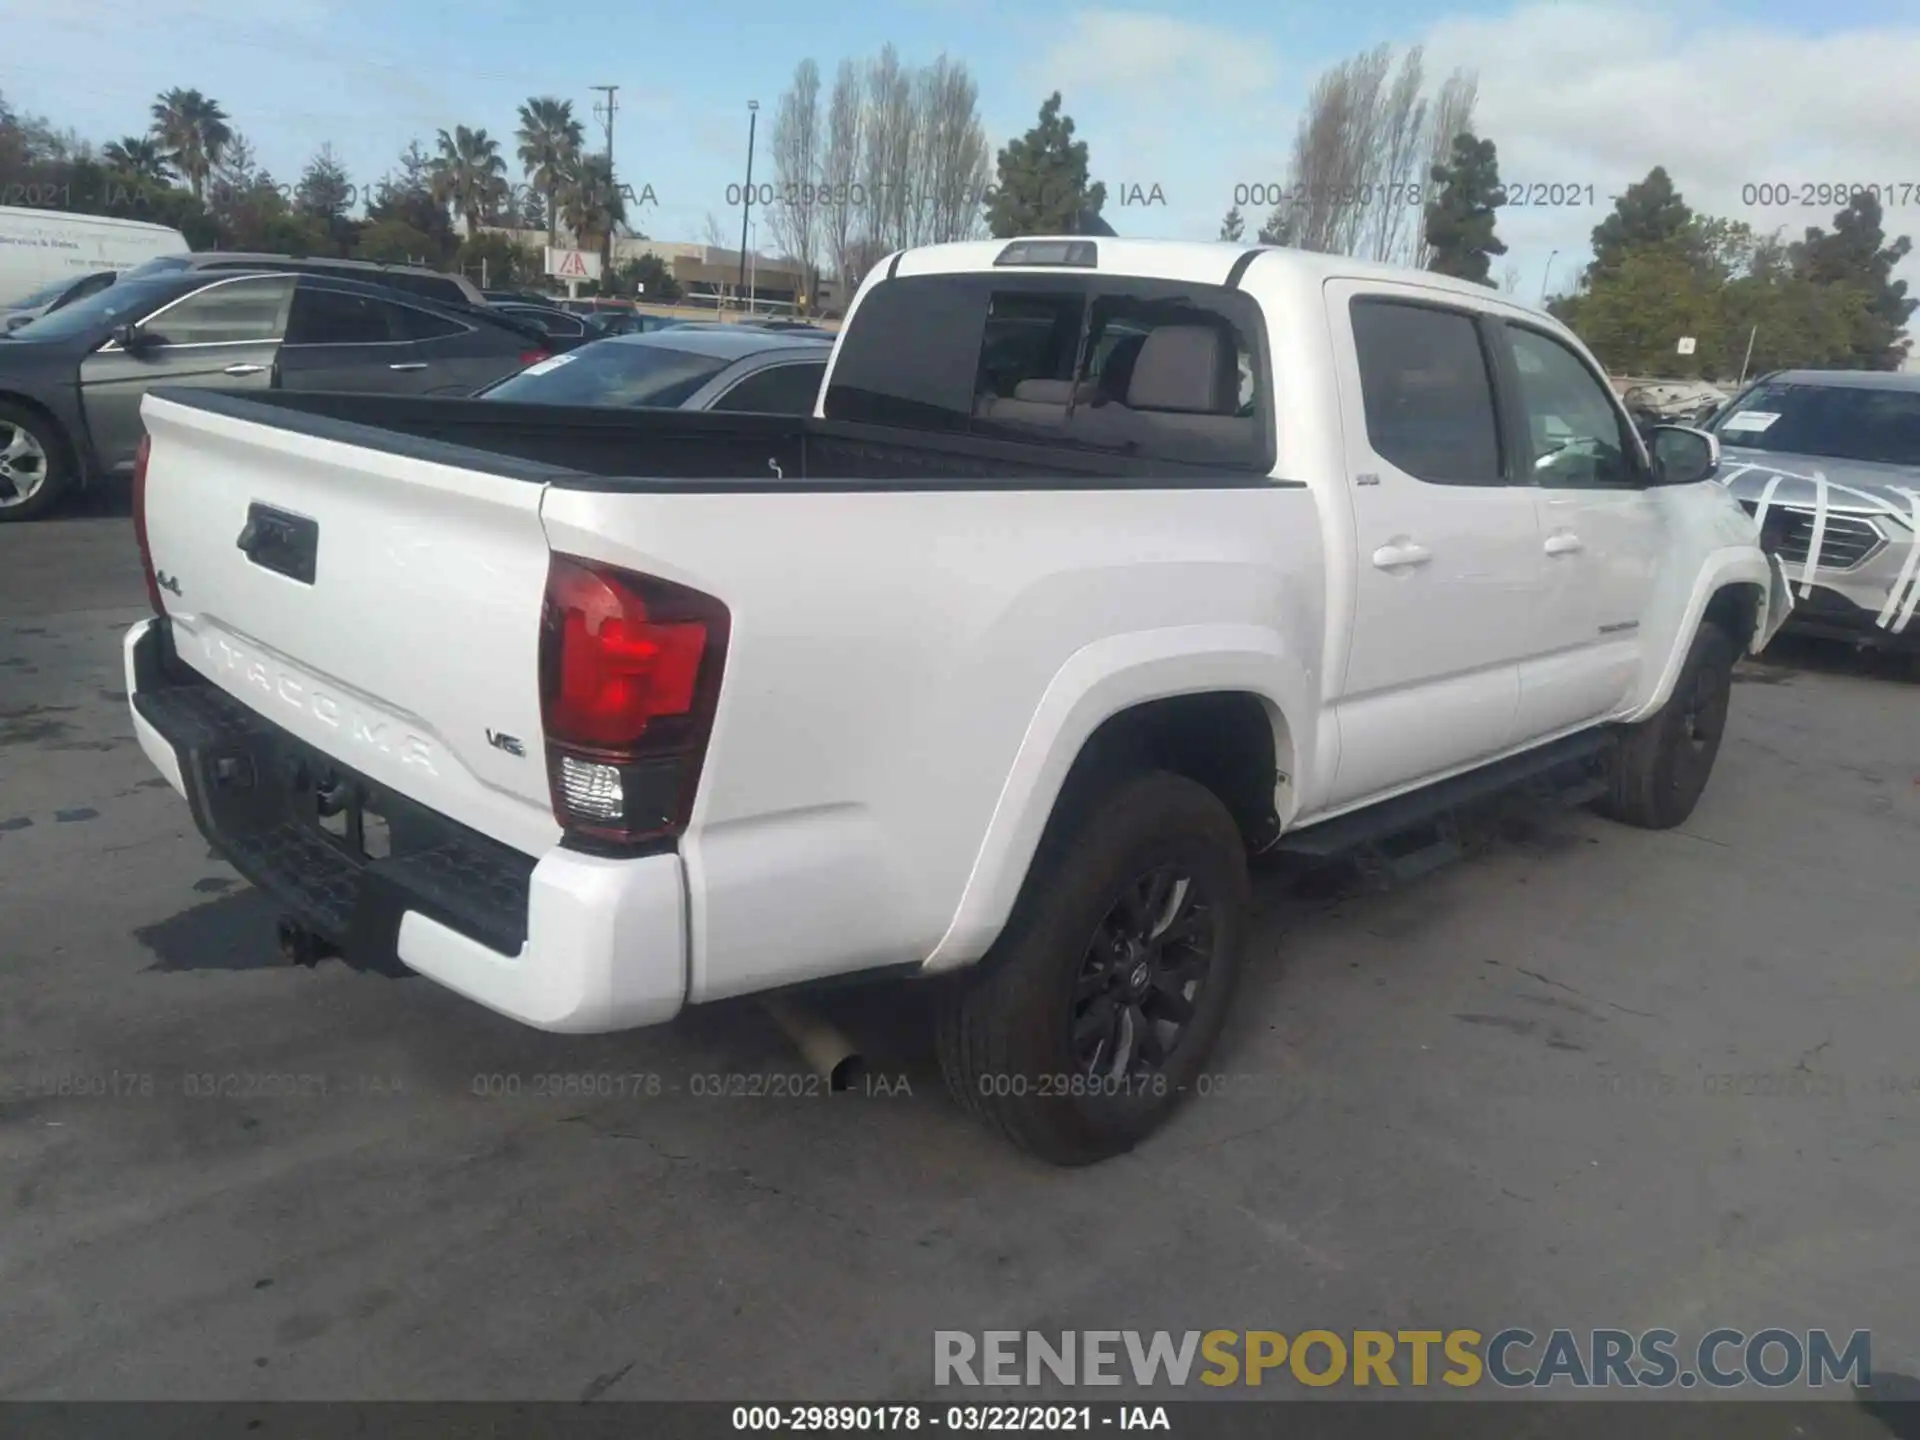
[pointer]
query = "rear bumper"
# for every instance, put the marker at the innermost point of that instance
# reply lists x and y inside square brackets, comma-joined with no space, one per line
[570,942]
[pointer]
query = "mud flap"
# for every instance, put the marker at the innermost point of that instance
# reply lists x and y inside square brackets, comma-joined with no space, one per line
[1778,606]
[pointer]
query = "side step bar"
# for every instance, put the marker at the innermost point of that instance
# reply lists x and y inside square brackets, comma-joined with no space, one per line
[1565,770]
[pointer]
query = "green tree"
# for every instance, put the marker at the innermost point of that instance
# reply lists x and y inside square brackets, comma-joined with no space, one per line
[1461,216]
[1855,253]
[324,193]
[468,174]
[395,242]
[1648,212]
[1042,186]
[1633,314]
[593,207]
[1791,321]
[550,143]
[14,152]
[193,131]
[137,157]
[650,278]
[406,195]
[1280,227]
[494,260]
[1234,226]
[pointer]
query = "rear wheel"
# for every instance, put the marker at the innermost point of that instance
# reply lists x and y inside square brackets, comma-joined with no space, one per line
[33,466]
[1657,775]
[1092,1015]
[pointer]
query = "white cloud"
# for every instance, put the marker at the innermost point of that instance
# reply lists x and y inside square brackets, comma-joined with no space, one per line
[1605,92]
[1147,54]
[1579,92]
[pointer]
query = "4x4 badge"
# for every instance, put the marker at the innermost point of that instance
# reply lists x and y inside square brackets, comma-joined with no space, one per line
[167,583]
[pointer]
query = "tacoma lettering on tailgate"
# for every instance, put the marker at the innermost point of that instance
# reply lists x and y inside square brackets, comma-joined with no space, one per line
[286,688]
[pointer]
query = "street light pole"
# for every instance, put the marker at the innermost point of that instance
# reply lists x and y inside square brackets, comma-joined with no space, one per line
[753,120]
[1545,273]
[606,256]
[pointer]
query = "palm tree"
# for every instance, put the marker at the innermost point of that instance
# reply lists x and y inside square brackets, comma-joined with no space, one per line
[138,157]
[469,175]
[550,140]
[593,207]
[193,132]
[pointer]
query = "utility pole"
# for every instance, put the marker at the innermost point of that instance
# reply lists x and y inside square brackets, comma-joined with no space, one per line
[604,109]
[753,119]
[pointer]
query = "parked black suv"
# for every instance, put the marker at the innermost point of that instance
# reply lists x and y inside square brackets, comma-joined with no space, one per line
[414,279]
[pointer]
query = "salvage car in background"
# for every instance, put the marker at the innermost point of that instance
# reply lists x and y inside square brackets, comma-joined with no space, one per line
[1835,452]
[71,384]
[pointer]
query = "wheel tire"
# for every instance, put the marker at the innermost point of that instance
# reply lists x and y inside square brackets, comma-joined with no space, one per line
[55,470]
[1006,1033]
[1657,775]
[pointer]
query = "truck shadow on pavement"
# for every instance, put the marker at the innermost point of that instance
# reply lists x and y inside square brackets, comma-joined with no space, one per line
[235,932]
[1789,654]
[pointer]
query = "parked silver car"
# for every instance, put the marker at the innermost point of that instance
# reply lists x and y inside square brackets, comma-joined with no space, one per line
[1837,451]
[731,367]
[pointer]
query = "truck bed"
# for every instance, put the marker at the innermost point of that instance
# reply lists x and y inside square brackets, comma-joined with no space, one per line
[593,448]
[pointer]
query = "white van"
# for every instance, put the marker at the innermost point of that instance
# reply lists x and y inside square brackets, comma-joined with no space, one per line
[50,257]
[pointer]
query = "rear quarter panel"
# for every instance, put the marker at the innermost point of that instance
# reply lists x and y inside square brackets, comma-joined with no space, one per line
[901,697]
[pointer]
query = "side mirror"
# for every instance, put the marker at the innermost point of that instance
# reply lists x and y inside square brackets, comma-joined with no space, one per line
[132,339]
[1683,455]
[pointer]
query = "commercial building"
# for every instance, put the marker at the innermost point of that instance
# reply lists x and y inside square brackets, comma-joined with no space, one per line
[706,273]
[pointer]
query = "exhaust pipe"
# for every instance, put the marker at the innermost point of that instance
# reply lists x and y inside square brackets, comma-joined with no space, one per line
[831,1054]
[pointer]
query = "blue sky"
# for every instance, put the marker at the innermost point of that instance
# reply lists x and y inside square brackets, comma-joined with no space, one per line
[1193,100]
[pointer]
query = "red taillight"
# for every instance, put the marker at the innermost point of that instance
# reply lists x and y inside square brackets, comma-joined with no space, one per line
[534,357]
[140,524]
[629,676]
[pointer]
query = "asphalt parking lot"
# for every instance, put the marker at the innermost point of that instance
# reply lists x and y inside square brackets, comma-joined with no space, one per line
[1587,1077]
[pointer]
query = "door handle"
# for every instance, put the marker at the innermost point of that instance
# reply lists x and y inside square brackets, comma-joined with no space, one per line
[1565,544]
[244,370]
[1392,557]
[410,365]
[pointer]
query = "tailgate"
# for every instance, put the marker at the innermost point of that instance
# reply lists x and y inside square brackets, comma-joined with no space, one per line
[383,608]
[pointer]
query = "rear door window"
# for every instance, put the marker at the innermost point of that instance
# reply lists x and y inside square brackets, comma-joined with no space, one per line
[1428,392]
[414,323]
[324,316]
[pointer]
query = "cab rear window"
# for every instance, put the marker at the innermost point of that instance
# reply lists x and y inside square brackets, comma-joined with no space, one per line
[1148,369]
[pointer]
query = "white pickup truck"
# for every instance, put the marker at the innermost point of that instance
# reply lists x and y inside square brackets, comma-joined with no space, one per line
[1101,564]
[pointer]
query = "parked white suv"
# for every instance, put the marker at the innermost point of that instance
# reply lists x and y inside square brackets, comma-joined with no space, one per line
[1101,564]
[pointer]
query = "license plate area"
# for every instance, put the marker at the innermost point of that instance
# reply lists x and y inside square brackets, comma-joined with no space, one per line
[342,810]
[349,811]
